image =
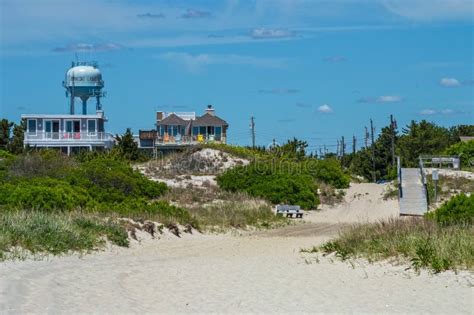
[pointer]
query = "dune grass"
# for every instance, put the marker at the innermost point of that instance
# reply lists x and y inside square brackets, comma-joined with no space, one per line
[424,242]
[215,208]
[55,233]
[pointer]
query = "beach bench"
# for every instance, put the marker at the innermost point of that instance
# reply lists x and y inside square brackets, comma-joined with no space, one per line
[289,211]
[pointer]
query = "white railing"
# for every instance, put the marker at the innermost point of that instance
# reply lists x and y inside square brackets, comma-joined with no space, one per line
[67,136]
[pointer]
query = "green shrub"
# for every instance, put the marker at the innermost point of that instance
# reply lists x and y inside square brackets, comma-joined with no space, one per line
[458,210]
[111,180]
[42,163]
[465,150]
[328,171]
[274,183]
[43,194]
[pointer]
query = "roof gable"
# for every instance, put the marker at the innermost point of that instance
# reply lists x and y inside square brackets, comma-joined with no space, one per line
[209,120]
[173,120]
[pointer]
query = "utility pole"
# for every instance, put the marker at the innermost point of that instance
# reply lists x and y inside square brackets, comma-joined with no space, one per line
[343,150]
[320,153]
[353,145]
[366,137]
[373,150]
[252,128]
[392,129]
[337,149]
[325,151]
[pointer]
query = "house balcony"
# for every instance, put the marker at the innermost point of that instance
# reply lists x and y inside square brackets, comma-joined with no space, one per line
[73,139]
[188,140]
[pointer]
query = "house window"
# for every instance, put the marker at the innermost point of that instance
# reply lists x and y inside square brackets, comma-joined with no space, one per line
[195,131]
[73,129]
[202,130]
[218,133]
[91,126]
[32,126]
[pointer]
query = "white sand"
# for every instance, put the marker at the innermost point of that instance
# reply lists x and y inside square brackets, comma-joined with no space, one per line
[261,272]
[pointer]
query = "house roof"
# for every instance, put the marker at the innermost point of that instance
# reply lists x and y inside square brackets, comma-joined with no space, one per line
[173,120]
[209,120]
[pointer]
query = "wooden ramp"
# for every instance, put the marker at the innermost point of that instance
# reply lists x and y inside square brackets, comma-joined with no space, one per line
[413,197]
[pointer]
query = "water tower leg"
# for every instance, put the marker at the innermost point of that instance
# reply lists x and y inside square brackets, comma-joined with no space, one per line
[98,106]
[71,105]
[84,107]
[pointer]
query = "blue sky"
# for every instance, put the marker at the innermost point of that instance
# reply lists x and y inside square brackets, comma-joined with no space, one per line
[316,70]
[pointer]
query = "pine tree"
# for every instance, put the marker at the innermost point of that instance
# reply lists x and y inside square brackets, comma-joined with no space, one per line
[5,127]
[128,148]
[16,144]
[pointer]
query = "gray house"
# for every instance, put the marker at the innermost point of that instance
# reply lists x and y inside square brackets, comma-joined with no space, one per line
[178,129]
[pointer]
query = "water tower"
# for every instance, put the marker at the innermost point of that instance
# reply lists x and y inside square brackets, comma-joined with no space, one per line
[84,80]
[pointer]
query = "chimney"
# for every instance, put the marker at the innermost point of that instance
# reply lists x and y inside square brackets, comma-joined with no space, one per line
[159,116]
[210,110]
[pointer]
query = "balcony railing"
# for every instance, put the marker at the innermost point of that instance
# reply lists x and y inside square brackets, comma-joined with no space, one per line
[186,140]
[63,136]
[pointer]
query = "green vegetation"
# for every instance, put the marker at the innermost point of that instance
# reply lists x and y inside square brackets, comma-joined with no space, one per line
[72,199]
[458,210]
[272,183]
[14,143]
[214,208]
[127,148]
[53,203]
[285,174]
[425,243]
[465,150]
[418,138]
[448,186]
[55,233]
[441,241]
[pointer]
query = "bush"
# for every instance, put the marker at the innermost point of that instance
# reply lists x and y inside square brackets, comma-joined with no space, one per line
[43,194]
[465,150]
[111,180]
[273,183]
[43,163]
[458,210]
[329,172]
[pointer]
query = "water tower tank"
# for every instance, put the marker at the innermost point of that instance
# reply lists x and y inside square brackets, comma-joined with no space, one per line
[84,80]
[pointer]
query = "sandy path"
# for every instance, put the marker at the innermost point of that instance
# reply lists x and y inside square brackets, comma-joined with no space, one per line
[262,272]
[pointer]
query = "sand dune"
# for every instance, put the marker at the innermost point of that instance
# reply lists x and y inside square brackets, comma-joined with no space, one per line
[256,272]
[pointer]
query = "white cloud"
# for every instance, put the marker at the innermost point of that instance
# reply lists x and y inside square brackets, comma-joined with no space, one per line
[325,109]
[195,14]
[446,111]
[427,10]
[449,82]
[195,63]
[267,33]
[428,112]
[381,99]
[84,47]
[388,99]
